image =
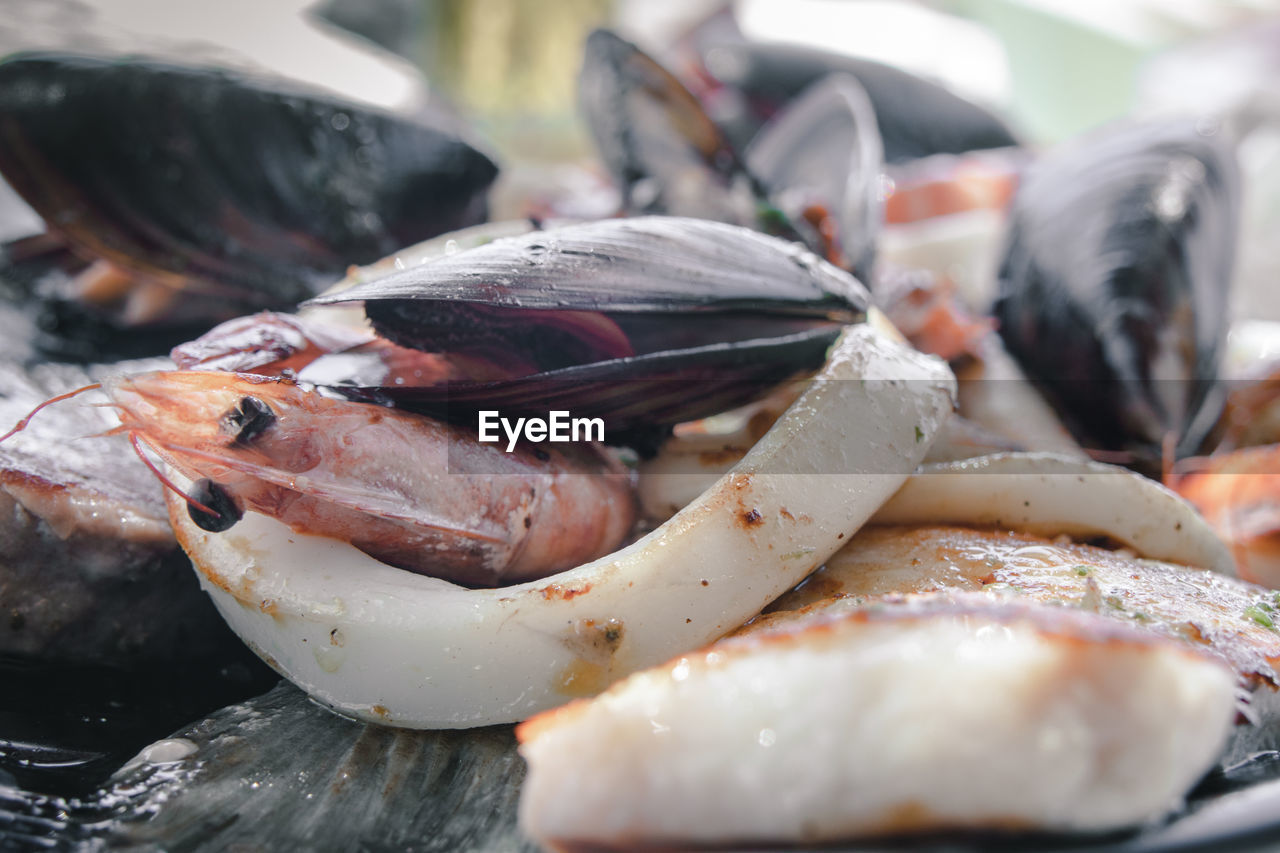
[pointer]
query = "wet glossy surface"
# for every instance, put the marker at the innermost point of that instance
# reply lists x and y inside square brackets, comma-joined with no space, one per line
[278,771]
[1112,285]
[65,728]
[265,209]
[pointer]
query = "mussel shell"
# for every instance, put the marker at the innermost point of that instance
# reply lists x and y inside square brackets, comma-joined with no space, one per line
[663,151]
[193,175]
[655,139]
[628,394]
[1113,288]
[824,147]
[640,265]
[717,315]
[279,772]
[916,118]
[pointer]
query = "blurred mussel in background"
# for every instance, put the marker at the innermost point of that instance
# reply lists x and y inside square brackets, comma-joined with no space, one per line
[1114,284]
[185,195]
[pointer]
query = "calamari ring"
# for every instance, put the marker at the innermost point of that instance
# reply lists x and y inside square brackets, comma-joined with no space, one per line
[385,645]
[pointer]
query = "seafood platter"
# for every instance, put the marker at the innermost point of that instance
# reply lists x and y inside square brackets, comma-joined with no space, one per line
[754,513]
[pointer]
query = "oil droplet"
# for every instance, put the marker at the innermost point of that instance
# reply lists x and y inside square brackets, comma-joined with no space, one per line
[681,670]
[164,752]
[451,247]
[340,121]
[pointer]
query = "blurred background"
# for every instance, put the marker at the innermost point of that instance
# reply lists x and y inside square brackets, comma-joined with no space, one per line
[1049,68]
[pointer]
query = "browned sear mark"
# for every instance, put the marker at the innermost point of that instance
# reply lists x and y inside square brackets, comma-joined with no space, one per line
[567,593]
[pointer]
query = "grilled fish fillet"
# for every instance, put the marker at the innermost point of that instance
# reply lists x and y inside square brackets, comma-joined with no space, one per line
[1233,620]
[928,679]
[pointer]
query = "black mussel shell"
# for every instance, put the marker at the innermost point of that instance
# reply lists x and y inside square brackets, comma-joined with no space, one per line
[916,118]
[656,389]
[1113,288]
[823,149]
[698,316]
[194,176]
[644,264]
[666,156]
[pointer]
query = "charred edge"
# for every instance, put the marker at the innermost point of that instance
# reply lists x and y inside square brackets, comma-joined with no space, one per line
[555,590]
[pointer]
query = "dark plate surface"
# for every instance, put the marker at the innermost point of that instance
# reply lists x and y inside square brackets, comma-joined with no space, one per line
[279,772]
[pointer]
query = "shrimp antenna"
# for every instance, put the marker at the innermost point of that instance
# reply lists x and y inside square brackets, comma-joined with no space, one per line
[22,424]
[165,481]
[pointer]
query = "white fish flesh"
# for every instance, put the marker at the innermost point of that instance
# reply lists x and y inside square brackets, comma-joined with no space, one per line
[927,679]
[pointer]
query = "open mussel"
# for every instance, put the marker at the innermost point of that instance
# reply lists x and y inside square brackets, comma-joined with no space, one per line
[814,177]
[821,158]
[1113,285]
[642,322]
[251,193]
[657,142]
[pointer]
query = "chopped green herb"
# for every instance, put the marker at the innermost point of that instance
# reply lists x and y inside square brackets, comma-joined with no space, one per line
[772,220]
[1257,614]
[919,434]
[1082,571]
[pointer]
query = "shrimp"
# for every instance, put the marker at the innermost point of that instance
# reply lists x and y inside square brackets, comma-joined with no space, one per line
[413,492]
[1239,494]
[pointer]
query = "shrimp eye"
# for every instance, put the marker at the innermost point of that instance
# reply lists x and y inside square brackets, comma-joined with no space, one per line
[247,420]
[215,497]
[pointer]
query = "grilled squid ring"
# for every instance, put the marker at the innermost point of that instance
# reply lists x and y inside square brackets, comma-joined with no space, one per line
[388,646]
[1051,494]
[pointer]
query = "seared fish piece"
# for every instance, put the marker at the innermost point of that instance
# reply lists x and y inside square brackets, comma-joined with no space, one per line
[957,710]
[1234,620]
[89,568]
